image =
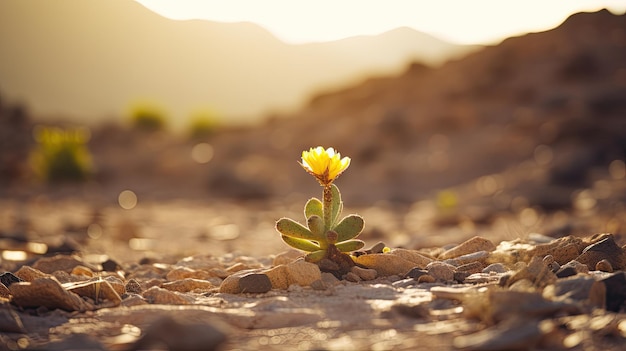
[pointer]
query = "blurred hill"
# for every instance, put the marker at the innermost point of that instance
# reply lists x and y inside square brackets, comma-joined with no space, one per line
[89,59]
[536,121]
[533,121]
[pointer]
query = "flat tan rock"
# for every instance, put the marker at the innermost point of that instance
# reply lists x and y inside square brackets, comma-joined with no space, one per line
[471,245]
[46,292]
[385,264]
[411,255]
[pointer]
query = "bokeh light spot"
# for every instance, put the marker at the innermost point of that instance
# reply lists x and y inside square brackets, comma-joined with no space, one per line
[202,153]
[127,200]
[94,231]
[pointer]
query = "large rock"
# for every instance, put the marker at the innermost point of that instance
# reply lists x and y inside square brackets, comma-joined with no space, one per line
[46,292]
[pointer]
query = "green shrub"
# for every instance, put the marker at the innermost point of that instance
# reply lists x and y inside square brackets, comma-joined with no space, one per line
[148,118]
[203,124]
[62,155]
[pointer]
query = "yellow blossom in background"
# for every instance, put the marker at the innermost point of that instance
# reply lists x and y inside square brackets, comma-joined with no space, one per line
[324,164]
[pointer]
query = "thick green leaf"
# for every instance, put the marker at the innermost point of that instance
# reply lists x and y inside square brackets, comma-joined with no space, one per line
[289,227]
[336,205]
[315,256]
[350,245]
[316,226]
[349,227]
[300,244]
[313,207]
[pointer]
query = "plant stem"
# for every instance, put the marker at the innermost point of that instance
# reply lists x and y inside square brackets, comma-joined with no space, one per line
[327,197]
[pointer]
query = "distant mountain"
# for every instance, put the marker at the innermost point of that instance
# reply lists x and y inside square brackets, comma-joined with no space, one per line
[90,59]
[542,115]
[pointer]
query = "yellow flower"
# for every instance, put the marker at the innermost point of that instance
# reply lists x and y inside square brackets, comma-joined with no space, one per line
[325,165]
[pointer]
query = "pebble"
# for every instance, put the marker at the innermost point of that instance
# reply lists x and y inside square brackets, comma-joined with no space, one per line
[302,273]
[441,271]
[97,290]
[413,256]
[64,263]
[604,266]
[615,292]
[286,257]
[352,277]
[471,245]
[160,296]
[46,292]
[180,336]
[385,264]
[582,288]
[603,249]
[255,283]
[188,284]
[496,268]
[278,277]
[364,273]
[178,273]
[28,274]
[8,278]
[472,267]
[133,286]
[479,256]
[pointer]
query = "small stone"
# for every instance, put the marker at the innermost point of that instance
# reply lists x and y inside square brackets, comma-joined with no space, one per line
[566,271]
[536,272]
[82,270]
[111,266]
[580,288]
[352,277]
[604,266]
[603,249]
[496,268]
[46,292]
[470,268]
[286,257]
[188,284]
[302,273]
[327,265]
[474,244]
[8,278]
[415,273]
[60,263]
[319,285]
[159,296]
[377,248]
[478,256]
[255,283]
[28,274]
[441,271]
[364,273]
[237,267]
[565,253]
[413,256]
[4,292]
[96,289]
[329,279]
[385,264]
[615,291]
[170,334]
[426,278]
[133,286]
[278,277]
[178,273]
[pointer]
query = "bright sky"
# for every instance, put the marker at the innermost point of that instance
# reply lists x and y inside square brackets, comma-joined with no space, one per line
[460,21]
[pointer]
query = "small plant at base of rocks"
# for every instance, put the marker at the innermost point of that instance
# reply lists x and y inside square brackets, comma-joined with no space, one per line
[326,235]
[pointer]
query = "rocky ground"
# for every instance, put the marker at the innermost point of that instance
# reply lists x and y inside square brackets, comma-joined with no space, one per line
[190,276]
[496,182]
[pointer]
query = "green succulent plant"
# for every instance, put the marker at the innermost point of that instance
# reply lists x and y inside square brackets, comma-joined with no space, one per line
[325,230]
